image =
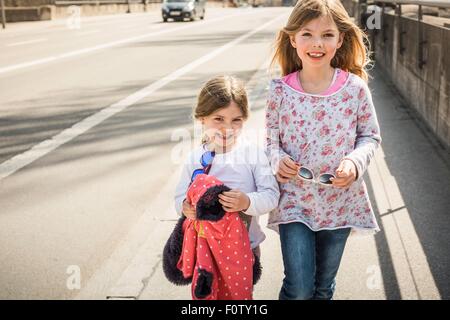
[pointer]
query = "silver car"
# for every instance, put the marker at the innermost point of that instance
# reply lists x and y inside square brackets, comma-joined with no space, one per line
[183,9]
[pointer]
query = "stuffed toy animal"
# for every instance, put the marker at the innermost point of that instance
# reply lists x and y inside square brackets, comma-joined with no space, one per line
[213,251]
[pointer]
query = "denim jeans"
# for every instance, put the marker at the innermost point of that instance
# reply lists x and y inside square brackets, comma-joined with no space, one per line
[311,261]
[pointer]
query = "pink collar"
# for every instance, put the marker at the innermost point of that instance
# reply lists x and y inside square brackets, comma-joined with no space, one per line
[339,79]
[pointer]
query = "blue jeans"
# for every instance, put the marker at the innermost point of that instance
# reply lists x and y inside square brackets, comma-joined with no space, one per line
[311,261]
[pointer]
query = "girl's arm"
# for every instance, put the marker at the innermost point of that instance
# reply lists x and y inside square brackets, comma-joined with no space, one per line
[274,151]
[182,187]
[367,133]
[267,193]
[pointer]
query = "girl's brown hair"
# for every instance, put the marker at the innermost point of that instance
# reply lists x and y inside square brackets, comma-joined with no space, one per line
[352,56]
[218,93]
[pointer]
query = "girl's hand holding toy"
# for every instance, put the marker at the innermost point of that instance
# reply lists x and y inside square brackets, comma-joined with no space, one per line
[234,201]
[188,210]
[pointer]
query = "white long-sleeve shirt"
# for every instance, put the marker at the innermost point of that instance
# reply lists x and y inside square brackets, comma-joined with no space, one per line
[246,168]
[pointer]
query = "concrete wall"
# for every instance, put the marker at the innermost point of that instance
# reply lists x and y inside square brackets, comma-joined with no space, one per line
[426,89]
[351,6]
[27,3]
[62,11]
[27,10]
[16,14]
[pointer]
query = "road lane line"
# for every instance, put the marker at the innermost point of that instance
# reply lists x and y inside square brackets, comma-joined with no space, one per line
[60,25]
[88,23]
[132,26]
[25,42]
[87,33]
[155,27]
[10,166]
[111,44]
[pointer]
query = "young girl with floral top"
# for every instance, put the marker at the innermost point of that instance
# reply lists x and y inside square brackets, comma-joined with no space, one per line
[322,132]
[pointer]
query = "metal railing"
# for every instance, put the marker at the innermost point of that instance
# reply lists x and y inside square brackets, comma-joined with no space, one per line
[427,3]
[398,8]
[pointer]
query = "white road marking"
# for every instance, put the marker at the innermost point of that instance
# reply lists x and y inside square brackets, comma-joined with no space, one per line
[110,21]
[10,166]
[87,33]
[60,24]
[111,44]
[133,26]
[25,42]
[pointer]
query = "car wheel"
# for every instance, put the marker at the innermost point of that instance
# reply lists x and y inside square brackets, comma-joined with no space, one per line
[203,15]
[164,19]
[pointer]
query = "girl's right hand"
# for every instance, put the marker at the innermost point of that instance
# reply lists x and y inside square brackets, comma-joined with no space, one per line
[188,210]
[287,169]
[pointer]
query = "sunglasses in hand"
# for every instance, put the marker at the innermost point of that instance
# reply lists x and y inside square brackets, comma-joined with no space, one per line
[307,174]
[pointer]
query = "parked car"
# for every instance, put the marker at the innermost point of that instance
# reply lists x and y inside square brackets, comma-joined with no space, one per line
[183,9]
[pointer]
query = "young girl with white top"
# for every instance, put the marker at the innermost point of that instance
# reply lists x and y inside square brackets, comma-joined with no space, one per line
[322,132]
[222,109]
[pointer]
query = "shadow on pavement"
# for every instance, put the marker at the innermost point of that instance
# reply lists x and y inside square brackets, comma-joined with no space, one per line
[422,173]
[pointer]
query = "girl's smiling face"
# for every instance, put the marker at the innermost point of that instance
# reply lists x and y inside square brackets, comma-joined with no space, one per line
[317,41]
[224,126]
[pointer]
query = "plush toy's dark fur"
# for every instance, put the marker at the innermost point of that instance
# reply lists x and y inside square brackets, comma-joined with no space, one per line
[257,269]
[208,207]
[204,284]
[171,255]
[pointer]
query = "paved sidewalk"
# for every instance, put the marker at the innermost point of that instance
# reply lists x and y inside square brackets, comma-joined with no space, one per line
[408,185]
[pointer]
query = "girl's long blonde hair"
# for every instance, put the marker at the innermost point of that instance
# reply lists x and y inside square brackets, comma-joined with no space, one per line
[352,56]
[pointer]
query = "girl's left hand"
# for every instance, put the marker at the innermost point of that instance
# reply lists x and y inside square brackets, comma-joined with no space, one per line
[234,200]
[345,174]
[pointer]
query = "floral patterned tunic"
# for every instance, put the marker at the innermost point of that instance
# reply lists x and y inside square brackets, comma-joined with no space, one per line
[318,131]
